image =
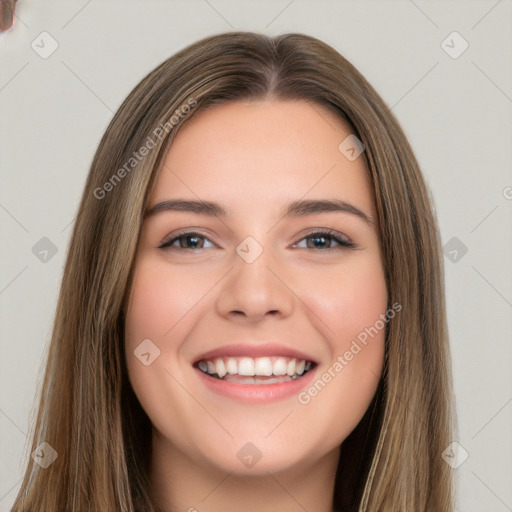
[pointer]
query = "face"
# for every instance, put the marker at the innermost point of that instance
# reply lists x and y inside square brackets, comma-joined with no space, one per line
[255,338]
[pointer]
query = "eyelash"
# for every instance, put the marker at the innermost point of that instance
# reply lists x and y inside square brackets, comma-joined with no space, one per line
[327,233]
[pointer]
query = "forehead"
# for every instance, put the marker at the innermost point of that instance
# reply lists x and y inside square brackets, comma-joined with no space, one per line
[262,154]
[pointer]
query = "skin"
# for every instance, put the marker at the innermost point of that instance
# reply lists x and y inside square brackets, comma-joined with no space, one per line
[255,158]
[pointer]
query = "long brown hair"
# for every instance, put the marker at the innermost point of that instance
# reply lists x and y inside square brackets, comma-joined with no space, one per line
[88,413]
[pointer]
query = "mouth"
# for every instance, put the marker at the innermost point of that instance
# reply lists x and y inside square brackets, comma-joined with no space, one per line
[255,371]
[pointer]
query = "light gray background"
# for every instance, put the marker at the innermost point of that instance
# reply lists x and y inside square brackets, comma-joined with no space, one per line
[455,111]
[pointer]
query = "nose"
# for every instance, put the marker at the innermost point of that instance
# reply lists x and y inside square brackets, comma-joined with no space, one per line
[256,290]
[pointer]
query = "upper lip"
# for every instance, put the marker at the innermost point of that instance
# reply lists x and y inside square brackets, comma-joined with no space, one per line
[254,350]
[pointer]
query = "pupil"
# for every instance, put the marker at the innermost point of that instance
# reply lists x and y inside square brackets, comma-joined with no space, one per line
[315,238]
[192,238]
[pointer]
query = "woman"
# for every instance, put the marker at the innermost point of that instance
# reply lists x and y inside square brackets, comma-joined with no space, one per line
[209,350]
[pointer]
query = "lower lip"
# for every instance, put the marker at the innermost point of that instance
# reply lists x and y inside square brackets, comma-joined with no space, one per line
[256,393]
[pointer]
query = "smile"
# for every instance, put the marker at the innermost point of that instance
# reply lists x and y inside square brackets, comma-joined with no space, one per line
[259,370]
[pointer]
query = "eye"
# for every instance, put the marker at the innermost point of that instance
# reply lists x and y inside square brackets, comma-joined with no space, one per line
[191,239]
[324,238]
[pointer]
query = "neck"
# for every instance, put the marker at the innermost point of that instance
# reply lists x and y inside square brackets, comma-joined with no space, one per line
[180,484]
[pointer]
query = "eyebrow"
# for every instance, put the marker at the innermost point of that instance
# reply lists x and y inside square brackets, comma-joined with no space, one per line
[299,208]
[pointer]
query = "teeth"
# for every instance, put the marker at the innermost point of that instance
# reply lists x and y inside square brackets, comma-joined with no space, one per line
[220,367]
[279,367]
[231,366]
[255,380]
[255,367]
[263,366]
[211,366]
[246,366]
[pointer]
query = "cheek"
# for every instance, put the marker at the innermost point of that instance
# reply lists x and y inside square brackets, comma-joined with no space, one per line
[159,300]
[364,300]
[155,307]
[350,309]
[157,310]
[144,317]
[347,300]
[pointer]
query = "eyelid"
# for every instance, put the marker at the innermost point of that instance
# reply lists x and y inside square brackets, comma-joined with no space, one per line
[185,231]
[343,241]
[327,231]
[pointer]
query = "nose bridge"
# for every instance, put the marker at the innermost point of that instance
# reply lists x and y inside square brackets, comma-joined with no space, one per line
[252,287]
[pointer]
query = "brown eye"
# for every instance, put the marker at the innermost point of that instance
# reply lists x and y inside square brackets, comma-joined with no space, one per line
[321,240]
[189,240]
